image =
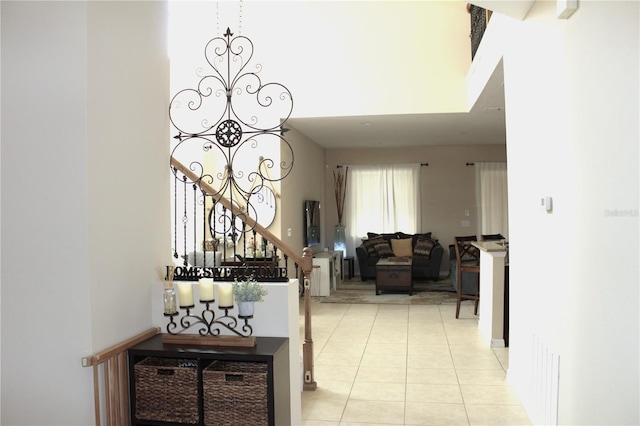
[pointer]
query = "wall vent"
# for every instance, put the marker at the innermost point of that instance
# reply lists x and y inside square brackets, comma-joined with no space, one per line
[546,378]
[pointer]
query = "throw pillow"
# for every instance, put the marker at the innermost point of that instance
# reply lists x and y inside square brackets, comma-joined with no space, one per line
[401,248]
[384,249]
[416,237]
[423,247]
[370,244]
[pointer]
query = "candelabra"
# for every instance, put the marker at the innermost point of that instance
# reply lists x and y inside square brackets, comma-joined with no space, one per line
[209,324]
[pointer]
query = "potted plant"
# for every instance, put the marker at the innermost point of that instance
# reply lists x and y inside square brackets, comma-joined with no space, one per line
[246,292]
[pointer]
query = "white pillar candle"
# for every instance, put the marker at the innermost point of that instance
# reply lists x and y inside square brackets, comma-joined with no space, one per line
[206,289]
[185,293]
[225,295]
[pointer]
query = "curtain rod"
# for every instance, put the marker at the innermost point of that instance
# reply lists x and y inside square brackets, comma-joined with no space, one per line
[483,162]
[339,166]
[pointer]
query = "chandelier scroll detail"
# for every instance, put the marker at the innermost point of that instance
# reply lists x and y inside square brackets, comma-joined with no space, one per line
[230,134]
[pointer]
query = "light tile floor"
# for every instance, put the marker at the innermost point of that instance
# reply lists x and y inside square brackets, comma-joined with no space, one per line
[405,365]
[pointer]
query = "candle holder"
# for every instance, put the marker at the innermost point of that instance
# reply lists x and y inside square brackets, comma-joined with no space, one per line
[209,324]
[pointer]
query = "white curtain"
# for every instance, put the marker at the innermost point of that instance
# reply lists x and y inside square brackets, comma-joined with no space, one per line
[491,194]
[381,198]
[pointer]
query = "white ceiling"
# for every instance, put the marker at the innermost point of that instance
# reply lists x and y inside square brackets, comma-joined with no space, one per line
[483,125]
[437,88]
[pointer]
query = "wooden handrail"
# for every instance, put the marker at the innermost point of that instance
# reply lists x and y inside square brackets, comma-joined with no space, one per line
[304,261]
[114,380]
[297,258]
[108,353]
[307,346]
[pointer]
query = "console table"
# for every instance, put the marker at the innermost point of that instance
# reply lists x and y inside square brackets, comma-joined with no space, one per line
[168,385]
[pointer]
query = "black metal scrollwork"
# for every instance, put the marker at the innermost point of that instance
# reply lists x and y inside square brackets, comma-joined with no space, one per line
[210,325]
[478,26]
[229,129]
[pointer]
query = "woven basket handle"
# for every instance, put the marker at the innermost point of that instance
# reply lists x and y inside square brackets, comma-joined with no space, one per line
[234,377]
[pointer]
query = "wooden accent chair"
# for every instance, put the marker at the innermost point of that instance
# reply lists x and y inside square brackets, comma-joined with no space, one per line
[468,259]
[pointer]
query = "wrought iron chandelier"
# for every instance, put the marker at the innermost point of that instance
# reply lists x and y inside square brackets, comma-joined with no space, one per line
[229,129]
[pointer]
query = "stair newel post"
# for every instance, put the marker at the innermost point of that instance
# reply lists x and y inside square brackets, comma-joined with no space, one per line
[307,347]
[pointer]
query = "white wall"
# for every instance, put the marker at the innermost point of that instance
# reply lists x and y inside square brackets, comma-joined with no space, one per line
[571,91]
[84,90]
[44,193]
[345,57]
[128,157]
[304,183]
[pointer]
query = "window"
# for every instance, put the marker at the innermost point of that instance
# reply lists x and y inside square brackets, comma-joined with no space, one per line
[381,198]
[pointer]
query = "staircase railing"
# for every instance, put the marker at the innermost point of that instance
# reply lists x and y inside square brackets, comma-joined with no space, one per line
[304,262]
[479,21]
[110,372]
[250,222]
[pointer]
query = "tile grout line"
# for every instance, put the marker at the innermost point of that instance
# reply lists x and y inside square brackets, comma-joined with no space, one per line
[406,366]
[355,376]
[455,369]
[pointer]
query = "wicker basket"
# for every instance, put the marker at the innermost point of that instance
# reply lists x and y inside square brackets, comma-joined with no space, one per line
[167,390]
[235,393]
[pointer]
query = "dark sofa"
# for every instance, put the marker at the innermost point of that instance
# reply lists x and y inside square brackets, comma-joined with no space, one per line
[426,253]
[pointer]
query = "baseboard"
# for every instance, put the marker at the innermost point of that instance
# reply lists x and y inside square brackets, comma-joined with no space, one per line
[497,343]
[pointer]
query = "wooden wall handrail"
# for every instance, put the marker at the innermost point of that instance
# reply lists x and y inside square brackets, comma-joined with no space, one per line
[297,258]
[114,350]
[115,378]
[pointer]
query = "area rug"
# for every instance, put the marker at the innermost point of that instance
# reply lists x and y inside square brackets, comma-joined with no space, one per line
[363,292]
